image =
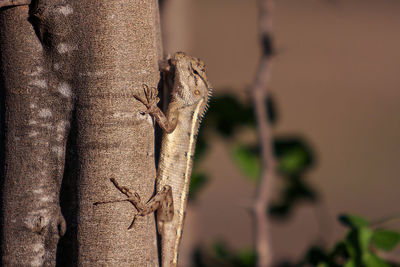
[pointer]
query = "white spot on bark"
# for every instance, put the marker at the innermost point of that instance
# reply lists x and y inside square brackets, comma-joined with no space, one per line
[61,128]
[65,89]
[32,122]
[36,72]
[47,125]
[63,48]
[58,150]
[33,105]
[142,116]
[149,119]
[37,217]
[45,143]
[93,74]
[45,113]
[62,125]
[38,247]
[38,191]
[65,10]
[32,134]
[56,66]
[38,260]
[39,83]
[123,115]
[45,199]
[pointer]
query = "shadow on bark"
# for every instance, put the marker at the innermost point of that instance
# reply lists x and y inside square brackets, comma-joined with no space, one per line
[2,151]
[67,249]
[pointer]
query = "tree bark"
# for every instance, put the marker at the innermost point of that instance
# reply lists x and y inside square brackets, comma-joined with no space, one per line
[113,137]
[7,3]
[35,123]
[78,63]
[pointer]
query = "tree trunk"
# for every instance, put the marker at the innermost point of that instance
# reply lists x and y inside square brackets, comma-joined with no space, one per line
[35,123]
[71,71]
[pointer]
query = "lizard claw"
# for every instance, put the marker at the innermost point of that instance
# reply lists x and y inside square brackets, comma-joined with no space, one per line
[137,197]
[151,95]
[151,99]
[132,223]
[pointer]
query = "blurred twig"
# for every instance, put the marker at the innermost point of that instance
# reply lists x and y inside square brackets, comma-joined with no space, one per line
[259,92]
[385,221]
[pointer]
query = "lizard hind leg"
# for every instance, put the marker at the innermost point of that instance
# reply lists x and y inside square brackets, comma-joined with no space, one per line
[161,202]
[166,211]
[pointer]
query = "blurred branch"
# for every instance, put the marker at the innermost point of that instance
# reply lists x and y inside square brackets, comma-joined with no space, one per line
[259,92]
[384,222]
[6,3]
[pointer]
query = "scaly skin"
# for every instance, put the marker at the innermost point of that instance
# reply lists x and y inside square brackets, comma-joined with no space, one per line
[189,97]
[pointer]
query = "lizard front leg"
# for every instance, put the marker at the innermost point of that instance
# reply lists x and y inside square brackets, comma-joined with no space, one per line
[167,123]
[161,202]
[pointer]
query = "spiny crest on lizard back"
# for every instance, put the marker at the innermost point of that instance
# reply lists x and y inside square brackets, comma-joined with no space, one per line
[205,109]
[191,85]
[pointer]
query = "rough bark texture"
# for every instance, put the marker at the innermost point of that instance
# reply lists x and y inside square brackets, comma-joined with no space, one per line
[77,68]
[7,3]
[37,111]
[113,137]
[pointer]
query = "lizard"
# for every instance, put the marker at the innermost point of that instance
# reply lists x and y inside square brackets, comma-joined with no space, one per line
[190,93]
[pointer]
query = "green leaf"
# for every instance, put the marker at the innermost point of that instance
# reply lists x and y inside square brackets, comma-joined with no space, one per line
[340,250]
[353,221]
[220,250]
[358,242]
[227,113]
[294,155]
[364,239]
[350,263]
[371,260]
[316,255]
[293,161]
[248,162]
[385,239]
[246,258]
[351,243]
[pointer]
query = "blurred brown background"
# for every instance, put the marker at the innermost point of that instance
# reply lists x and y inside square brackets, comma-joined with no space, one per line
[336,83]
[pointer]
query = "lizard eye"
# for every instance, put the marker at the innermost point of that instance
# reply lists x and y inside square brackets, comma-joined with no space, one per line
[196,92]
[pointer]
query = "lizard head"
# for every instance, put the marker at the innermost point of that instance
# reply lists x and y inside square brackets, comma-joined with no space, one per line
[191,85]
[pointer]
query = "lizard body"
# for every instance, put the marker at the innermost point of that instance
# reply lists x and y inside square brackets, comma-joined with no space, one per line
[189,99]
